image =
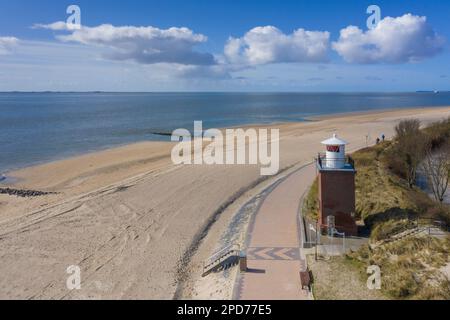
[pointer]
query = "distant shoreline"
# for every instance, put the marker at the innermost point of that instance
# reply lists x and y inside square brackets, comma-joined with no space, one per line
[6,177]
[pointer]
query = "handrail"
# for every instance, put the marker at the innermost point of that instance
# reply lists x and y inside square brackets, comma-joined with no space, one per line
[323,161]
[419,227]
[234,248]
[423,222]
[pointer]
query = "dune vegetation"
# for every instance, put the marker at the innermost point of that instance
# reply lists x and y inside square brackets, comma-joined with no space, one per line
[387,204]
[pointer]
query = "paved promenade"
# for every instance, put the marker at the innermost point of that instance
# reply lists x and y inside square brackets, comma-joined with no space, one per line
[274,251]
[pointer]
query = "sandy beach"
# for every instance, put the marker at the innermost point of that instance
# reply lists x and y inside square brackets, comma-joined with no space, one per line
[136,224]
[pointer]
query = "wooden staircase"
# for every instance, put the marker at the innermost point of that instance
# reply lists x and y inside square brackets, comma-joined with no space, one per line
[222,260]
[407,234]
[432,228]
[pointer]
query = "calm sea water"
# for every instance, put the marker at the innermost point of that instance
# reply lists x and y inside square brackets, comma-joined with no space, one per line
[41,127]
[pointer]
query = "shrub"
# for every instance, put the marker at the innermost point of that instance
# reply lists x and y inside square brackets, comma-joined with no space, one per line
[311,203]
[410,268]
[438,133]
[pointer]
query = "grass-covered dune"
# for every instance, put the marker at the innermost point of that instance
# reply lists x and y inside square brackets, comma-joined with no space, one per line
[385,203]
[415,267]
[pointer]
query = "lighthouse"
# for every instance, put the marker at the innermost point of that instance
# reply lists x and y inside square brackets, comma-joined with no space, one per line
[336,174]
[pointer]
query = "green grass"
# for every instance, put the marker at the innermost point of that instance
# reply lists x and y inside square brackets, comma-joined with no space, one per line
[311,203]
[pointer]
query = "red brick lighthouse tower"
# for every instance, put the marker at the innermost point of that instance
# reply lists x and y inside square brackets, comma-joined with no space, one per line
[336,188]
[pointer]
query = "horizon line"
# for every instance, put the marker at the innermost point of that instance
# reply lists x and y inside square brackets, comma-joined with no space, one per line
[224,91]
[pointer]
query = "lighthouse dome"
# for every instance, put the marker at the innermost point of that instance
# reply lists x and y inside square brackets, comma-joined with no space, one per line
[335,155]
[334,141]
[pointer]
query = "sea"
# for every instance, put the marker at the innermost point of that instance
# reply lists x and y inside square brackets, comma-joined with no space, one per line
[41,127]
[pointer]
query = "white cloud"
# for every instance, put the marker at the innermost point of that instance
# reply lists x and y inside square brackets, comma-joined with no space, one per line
[145,45]
[7,44]
[56,26]
[395,40]
[265,45]
[54,66]
[46,66]
[218,72]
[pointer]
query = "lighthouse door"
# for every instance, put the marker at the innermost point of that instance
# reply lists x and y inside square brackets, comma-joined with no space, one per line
[331,224]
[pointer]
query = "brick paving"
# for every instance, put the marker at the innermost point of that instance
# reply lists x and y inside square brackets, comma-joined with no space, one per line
[274,253]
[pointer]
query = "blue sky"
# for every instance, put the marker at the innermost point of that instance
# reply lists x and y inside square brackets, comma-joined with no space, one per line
[267,52]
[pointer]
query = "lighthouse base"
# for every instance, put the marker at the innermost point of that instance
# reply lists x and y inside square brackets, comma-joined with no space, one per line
[337,199]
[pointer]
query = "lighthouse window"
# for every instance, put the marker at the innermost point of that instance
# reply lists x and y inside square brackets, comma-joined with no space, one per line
[333,149]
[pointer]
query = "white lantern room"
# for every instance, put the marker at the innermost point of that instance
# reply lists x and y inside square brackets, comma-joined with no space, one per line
[335,153]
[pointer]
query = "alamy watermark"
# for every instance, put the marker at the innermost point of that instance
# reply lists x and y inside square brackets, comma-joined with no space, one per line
[374,280]
[73,282]
[74,20]
[228,147]
[374,18]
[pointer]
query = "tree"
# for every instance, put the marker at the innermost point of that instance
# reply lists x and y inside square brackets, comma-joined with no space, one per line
[411,145]
[436,167]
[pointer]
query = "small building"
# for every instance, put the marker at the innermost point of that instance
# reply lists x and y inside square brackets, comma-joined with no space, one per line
[336,188]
